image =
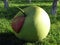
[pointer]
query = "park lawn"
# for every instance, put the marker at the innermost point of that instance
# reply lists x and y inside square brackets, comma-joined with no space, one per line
[6,16]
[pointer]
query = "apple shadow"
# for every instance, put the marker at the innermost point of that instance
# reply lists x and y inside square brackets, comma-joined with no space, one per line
[10,39]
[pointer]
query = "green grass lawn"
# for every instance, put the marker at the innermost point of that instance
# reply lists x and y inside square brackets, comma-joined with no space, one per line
[6,16]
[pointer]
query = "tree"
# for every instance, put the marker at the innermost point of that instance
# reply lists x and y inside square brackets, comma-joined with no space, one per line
[6,4]
[54,7]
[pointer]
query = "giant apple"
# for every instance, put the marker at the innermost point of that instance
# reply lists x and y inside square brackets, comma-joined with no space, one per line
[31,25]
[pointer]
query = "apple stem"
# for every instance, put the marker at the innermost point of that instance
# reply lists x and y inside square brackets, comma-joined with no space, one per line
[22,11]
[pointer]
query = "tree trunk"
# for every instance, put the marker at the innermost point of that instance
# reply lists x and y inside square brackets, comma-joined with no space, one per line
[54,7]
[6,4]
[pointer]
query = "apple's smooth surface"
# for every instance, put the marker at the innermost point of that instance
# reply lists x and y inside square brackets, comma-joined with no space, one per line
[36,25]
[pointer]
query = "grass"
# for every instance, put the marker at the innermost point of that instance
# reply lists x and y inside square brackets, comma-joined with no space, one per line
[6,16]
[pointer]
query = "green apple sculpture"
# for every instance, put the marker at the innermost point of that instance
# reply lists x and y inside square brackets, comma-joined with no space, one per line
[31,25]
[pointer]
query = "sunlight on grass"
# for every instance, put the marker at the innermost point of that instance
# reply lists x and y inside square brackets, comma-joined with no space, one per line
[48,4]
[4,25]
